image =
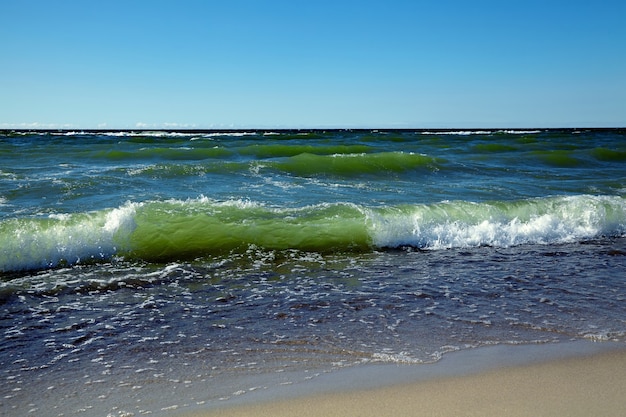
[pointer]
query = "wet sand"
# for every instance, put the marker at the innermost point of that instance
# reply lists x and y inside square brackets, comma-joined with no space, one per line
[566,384]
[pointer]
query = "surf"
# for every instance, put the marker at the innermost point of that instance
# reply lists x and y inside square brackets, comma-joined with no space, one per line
[168,230]
[459,224]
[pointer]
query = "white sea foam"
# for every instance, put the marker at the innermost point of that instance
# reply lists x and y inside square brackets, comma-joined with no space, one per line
[458,132]
[64,238]
[126,133]
[520,132]
[230,134]
[479,132]
[399,358]
[546,221]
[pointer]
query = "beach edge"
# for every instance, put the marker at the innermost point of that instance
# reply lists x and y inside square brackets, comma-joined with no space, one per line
[574,379]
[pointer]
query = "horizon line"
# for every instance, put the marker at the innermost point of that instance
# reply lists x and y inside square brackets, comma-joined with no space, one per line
[305,129]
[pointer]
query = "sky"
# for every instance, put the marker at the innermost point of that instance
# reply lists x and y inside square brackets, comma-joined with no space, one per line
[240,64]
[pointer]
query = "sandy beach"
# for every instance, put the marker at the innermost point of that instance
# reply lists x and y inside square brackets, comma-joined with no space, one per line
[587,385]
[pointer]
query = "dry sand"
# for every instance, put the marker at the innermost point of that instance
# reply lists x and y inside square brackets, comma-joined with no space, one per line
[584,386]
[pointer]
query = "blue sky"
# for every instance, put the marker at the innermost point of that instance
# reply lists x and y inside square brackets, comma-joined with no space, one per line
[312,64]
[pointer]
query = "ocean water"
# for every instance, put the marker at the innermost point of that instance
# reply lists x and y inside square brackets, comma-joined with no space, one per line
[148,272]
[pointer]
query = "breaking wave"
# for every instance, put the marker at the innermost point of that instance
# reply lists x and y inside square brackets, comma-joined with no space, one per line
[179,230]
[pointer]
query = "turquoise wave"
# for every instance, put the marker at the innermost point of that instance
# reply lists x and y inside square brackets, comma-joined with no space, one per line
[184,230]
[347,165]
[350,160]
[381,163]
[264,151]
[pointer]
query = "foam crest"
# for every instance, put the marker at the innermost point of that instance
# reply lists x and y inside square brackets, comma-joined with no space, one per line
[37,243]
[479,132]
[464,224]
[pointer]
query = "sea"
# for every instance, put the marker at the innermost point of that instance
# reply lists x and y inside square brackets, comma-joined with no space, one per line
[150,272]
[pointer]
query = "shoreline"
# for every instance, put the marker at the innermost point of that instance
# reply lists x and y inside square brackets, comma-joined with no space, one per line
[573,378]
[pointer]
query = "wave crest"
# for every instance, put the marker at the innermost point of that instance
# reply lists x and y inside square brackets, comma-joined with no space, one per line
[466,224]
[183,230]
